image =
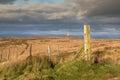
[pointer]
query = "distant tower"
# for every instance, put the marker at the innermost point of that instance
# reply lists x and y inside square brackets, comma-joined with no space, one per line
[68,34]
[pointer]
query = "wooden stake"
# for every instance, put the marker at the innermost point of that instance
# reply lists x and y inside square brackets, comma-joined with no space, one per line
[30,50]
[49,52]
[0,56]
[87,42]
[1,52]
[58,53]
[8,54]
[16,51]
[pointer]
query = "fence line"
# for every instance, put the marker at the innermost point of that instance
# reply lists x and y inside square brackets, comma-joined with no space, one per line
[87,53]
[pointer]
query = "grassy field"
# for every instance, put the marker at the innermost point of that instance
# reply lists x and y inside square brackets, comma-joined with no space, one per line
[104,65]
[37,68]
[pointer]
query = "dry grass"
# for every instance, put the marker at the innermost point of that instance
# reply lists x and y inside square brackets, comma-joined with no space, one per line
[104,49]
[38,67]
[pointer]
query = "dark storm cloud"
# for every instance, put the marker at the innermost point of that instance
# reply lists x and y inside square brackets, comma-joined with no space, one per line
[97,11]
[105,8]
[96,7]
[7,1]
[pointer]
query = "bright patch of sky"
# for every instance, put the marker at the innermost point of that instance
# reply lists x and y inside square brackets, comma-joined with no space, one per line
[55,2]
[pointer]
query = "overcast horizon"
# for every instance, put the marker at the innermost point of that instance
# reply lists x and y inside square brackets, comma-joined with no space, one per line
[56,17]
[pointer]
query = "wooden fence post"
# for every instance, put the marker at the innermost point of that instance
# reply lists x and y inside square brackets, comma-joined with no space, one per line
[8,54]
[1,56]
[49,52]
[87,50]
[58,53]
[16,51]
[30,50]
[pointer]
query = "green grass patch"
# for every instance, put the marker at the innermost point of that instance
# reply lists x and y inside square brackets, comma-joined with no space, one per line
[40,68]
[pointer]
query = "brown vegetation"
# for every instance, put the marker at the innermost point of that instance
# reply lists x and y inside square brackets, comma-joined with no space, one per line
[102,49]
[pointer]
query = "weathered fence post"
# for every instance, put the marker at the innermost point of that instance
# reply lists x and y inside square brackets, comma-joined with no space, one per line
[1,57]
[49,52]
[8,54]
[30,50]
[87,50]
[58,53]
[16,51]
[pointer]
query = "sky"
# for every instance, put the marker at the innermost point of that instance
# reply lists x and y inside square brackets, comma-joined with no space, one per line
[22,12]
[53,11]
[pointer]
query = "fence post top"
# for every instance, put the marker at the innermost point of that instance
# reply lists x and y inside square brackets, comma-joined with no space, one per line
[86,25]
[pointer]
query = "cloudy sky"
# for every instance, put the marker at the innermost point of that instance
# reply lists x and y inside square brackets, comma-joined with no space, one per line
[26,17]
[56,11]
